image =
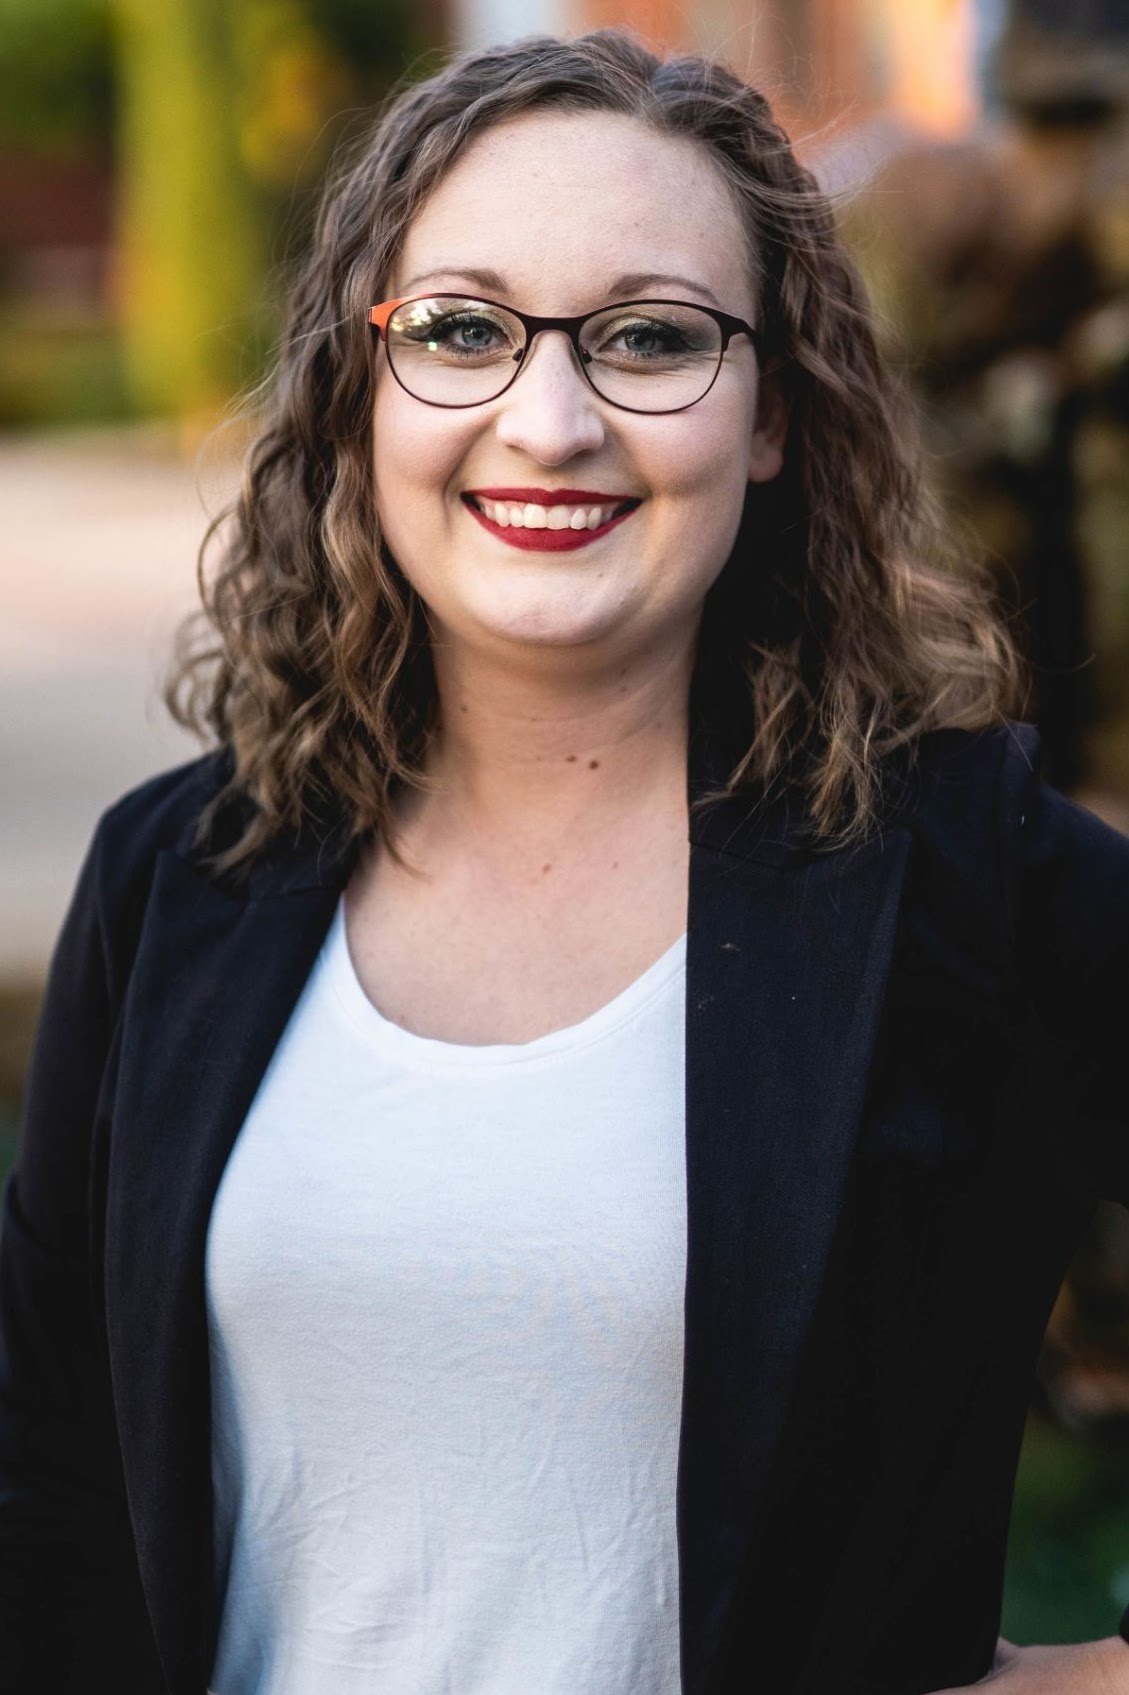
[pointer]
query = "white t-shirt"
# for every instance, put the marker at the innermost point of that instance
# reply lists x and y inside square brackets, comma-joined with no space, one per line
[445,1300]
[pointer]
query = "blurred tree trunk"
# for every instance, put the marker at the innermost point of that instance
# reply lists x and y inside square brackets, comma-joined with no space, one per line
[190,225]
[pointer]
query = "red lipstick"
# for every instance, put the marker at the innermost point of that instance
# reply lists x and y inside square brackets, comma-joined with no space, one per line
[552,496]
[550,541]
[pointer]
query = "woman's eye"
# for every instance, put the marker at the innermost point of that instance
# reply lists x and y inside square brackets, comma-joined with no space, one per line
[463,335]
[644,339]
[473,332]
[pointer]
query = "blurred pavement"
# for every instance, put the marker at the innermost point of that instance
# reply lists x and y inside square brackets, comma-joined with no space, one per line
[97,565]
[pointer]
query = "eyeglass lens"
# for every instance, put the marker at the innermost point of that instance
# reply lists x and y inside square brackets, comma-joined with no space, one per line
[649,356]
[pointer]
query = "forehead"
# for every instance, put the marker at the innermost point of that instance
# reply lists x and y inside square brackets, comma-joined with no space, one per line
[559,205]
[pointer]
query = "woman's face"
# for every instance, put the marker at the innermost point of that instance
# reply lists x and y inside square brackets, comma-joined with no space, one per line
[555,214]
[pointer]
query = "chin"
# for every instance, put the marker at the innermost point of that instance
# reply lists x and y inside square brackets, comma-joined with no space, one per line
[553,614]
[537,630]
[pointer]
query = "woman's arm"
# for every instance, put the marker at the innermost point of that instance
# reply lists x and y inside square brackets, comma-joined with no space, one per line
[1083,1668]
[71,1610]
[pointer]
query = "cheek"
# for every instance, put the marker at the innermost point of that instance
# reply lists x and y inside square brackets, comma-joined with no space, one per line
[705,471]
[703,474]
[416,451]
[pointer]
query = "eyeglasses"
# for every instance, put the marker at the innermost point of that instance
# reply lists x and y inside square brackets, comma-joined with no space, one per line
[641,355]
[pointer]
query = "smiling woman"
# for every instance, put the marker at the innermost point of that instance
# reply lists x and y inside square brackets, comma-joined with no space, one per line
[660,427]
[633,185]
[551,1148]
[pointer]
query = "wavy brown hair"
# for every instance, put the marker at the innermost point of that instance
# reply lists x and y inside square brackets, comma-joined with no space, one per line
[839,629]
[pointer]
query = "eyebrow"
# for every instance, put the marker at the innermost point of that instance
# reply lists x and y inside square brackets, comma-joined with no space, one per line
[630,284]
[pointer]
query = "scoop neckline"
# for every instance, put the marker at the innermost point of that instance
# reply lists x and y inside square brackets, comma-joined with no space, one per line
[391,1038]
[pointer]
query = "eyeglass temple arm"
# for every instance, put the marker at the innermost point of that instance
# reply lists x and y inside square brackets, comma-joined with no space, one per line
[379,315]
[732,326]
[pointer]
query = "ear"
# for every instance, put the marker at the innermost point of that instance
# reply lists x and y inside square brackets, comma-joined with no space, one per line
[766,448]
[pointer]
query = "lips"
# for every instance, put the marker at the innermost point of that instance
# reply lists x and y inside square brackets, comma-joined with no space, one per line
[552,496]
[548,520]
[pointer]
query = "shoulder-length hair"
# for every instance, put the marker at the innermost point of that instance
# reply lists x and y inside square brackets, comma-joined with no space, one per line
[839,630]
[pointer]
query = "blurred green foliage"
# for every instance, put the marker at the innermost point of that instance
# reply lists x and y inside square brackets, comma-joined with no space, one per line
[216,120]
[56,73]
[53,370]
[191,230]
[1068,1552]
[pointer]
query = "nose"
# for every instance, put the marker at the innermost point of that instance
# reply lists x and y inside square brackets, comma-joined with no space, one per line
[549,411]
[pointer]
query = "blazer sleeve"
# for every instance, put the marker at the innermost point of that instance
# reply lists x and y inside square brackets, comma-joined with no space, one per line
[1068,885]
[1071,916]
[71,1609]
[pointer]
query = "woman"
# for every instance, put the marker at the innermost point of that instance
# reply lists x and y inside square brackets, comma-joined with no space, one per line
[549,1153]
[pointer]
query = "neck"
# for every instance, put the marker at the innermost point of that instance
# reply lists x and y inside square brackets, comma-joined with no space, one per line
[525,749]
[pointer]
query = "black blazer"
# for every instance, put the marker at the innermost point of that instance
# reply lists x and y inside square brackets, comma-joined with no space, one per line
[905,1088]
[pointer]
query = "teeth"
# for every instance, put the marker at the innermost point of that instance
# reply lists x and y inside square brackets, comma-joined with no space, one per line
[510,514]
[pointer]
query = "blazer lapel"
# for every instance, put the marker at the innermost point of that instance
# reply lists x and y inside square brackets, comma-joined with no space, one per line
[214,982]
[788,955]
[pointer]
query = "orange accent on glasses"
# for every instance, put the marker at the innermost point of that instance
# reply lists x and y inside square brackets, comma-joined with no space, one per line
[379,315]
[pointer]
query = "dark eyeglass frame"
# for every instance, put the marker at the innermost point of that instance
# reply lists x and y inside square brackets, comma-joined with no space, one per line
[378,318]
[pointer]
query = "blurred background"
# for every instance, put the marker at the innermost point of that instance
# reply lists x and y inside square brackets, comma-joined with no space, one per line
[158,168]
